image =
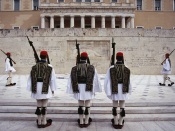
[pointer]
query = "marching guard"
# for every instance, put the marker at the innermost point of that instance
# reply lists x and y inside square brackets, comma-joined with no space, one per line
[42,84]
[9,69]
[166,70]
[117,87]
[83,83]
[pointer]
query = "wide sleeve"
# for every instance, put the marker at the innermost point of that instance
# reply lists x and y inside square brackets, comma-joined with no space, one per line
[107,83]
[29,84]
[96,83]
[53,84]
[166,65]
[69,86]
[130,88]
[7,64]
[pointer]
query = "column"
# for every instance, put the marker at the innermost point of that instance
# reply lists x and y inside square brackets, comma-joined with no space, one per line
[82,21]
[92,21]
[42,22]
[62,21]
[132,22]
[112,21]
[102,21]
[128,23]
[123,22]
[71,21]
[52,21]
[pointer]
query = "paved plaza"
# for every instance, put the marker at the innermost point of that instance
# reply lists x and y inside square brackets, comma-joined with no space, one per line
[145,89]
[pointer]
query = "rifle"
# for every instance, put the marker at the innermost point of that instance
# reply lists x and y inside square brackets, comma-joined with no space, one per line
[113,55]
[9,57]
[165,58]
[35,54]
[78,53]
[48,61]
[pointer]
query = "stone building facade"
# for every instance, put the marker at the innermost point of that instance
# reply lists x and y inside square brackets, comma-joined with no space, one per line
[54,25]
[143,50]
[28,14]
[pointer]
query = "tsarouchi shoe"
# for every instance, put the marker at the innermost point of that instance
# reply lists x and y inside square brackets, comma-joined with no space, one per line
[11,84]
[49,122]
[162,84]
[171,84]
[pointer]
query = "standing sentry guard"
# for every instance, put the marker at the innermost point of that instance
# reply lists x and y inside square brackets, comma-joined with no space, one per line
[42,84]
[83,83]
[117,87]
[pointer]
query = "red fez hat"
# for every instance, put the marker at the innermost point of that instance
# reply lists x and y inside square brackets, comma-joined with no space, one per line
[119,54]
[84,54]
[8,53]
[44,53]
[167,55]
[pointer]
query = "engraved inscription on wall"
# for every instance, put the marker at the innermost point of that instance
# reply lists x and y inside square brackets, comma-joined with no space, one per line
[96,49]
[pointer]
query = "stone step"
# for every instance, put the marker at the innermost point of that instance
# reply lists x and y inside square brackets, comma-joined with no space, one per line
[95,117]
[61,103]
[94,110]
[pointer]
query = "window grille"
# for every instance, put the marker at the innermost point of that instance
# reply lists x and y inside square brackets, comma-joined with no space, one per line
[16,27]
[158,27]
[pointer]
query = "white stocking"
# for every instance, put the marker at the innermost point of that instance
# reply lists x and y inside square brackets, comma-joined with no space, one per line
[81,116]
[115,104]
[44,104]
[122,105]
[87,105]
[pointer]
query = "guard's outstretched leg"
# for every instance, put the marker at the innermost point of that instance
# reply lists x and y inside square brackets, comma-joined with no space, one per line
[168,78]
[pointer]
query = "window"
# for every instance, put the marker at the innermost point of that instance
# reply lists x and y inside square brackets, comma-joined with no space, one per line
[157,4]
[16,5]
[78,0]
[35,4]
[87,0]
[174,5]
[158,27]
[115,1]
[35,27]
[96,0]
[16,27]
[139,4]
[60,1]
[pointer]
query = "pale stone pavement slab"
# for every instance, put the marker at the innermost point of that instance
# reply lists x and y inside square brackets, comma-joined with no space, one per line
[145,89]
[95,126]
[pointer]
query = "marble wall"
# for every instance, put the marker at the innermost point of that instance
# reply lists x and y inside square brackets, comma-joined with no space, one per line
[143,49]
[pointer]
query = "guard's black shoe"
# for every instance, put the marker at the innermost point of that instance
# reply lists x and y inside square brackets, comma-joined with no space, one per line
[171,84]
[162,84]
